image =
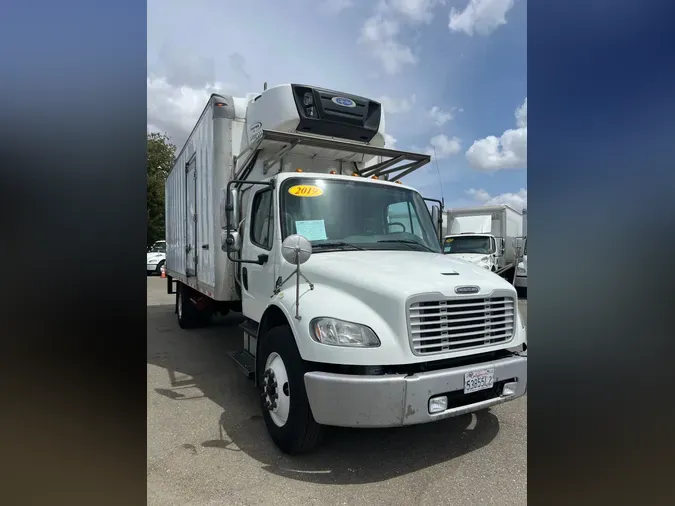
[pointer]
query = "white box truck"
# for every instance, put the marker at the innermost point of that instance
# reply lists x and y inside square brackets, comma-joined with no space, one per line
[486,236]
[288,208]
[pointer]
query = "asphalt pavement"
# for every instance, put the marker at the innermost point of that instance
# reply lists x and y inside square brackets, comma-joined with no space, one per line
[207,443]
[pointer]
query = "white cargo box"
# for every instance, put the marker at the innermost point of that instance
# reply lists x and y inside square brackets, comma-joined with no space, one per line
[192,199]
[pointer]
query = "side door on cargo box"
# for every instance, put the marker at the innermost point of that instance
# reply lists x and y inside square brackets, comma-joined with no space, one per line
[191,216]
[257,281]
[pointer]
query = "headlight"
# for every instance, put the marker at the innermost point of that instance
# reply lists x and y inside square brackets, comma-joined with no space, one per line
[521,271]
[341,333]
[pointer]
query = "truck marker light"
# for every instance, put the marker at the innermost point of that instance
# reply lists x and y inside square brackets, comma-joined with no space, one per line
[305,190]
[332,172]
[398,182]
[298,170]
[438,404]
[355,174]
[374,177]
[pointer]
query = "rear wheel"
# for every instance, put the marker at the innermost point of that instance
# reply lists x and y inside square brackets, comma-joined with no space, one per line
[283,399]
[158,269]
[188,315]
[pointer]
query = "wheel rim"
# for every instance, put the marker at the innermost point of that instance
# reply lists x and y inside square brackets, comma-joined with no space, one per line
[180,304]
[276,390]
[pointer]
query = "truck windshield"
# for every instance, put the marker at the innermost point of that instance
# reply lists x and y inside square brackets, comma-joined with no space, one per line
[467,244]
[337,214]
[158,247]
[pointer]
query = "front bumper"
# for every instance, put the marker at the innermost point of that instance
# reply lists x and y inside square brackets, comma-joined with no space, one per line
[152,267]
[520,282]
[393,400]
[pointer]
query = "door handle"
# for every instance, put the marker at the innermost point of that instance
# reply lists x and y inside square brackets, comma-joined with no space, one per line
[244,278]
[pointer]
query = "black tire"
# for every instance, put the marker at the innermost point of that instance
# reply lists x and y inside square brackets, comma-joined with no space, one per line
[158,269]
[187,313]
[300,433]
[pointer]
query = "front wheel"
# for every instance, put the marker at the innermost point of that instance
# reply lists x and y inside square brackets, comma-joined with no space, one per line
[283,399]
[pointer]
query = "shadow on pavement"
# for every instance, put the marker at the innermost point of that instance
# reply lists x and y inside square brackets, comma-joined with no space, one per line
[198,366]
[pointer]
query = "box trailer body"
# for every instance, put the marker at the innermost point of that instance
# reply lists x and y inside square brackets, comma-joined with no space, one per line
[498,227]
[193,196]
[288,208]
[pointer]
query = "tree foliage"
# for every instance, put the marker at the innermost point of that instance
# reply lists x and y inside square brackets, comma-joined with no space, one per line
[161,155]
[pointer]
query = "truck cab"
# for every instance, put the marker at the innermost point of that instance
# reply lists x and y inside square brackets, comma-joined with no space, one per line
[483,250]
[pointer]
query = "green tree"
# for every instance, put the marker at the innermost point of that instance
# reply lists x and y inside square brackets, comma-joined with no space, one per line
[160,161]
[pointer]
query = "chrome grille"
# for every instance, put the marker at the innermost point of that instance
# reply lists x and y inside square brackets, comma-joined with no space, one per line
[440,326]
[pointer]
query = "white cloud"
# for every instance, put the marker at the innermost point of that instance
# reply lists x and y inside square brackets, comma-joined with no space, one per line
[335,7]
[440,116]
[176,109]
[517,201]
[418,11]
[509,151]
[389,141]
[396,106]
[379,35]
[480,16]
[521,115]
[441,146]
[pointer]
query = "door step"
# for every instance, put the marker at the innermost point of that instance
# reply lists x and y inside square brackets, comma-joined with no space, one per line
[245,361]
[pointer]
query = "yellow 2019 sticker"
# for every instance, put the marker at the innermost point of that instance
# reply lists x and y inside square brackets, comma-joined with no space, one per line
[449,240]
[305,190]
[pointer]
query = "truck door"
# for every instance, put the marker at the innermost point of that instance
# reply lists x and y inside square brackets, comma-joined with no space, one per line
[257,281]
[191,216]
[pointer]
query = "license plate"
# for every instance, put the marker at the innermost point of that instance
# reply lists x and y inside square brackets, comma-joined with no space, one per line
[481,379]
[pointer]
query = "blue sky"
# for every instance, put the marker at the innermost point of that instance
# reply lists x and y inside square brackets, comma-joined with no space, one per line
[450,73]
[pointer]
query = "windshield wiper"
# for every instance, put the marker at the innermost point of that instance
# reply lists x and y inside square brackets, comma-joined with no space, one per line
[408,241]
[338,244]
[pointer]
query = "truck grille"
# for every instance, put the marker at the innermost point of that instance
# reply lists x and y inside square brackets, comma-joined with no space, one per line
[440,326]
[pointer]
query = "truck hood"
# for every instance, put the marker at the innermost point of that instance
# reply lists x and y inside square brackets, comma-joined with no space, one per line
[469,257]
[155,256]
[398,274]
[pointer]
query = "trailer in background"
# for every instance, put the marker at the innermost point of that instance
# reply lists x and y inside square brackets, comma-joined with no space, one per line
[486,236]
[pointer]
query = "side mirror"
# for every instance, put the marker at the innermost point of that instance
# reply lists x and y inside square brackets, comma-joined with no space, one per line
[436,218]
[230,241]
[296,249]
[229,209]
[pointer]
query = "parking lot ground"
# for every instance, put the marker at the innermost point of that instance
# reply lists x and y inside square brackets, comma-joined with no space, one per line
[207,443]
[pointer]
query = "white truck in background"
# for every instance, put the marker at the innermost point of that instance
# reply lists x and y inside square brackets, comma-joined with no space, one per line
[521,270]
[354,317]
[486,236]
[155,257]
